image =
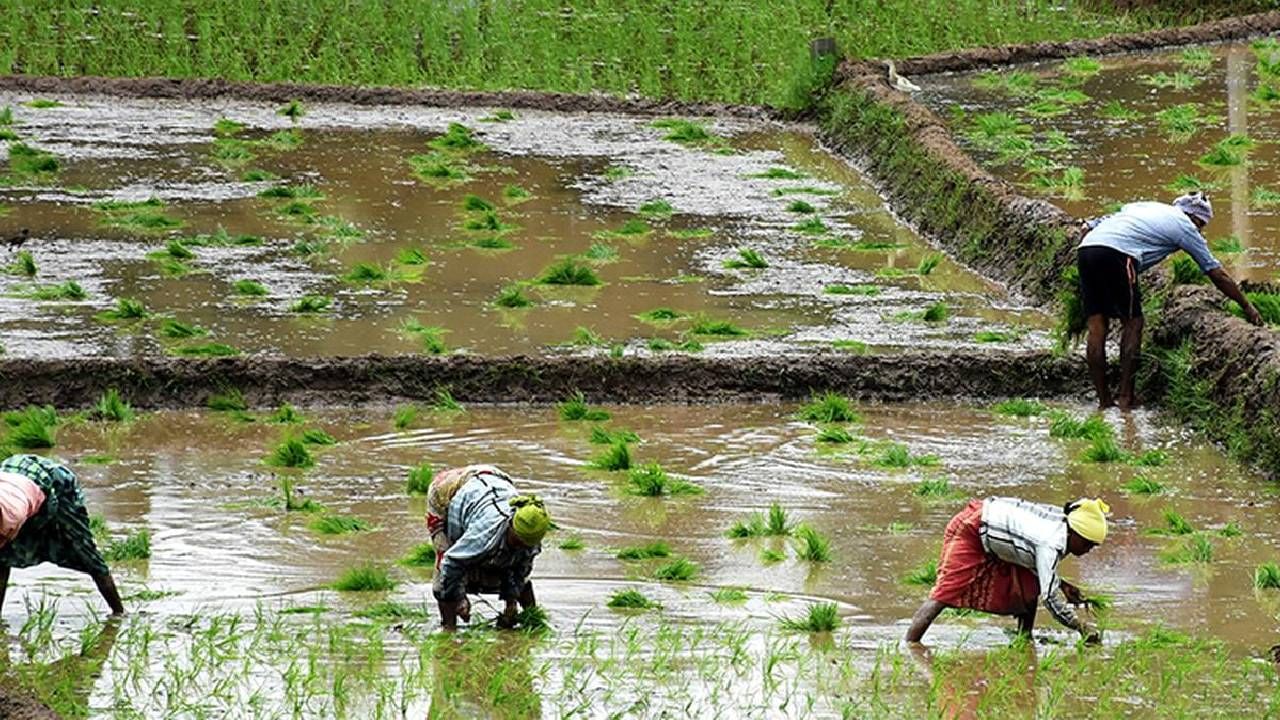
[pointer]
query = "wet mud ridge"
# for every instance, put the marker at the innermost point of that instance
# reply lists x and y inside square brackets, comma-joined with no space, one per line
[176,383]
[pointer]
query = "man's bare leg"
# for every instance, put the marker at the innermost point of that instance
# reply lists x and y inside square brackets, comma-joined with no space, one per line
[1027,623]
[1096,355]
[924,618]
[1130,349]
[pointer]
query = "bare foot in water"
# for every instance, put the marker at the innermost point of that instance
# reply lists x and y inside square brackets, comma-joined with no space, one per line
[1129,403]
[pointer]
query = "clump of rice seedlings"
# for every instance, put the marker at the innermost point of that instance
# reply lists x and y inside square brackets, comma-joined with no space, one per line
[1014,82]
[364,578]
[658,209]
[1265,94]
[990,130]
[1262,197]
[1188,183]
[499,116]
[717,328]
[494,243]
[282,141]
[685,345]
[1267,576]
[573,542]
[1228,152]
[777,173]
[316,436]
[648,551]
[1068,184]
[413,257]
[69,290]
[614,173]
[294,110]
[568,272]
[365,272]
[631,600]
[575,408]
[769,556]
[299,211]
[856,347]
[934,489]
[862,290]
[125,309]
[1151,458]
[1230,530]
[1194,549]
[170,267]
[394,612]
[937,312]
[286,414]
[1116,110]
[747,258]
[231,151]
[1104,450]
[311,304]
[1063,425]
[292,192]
[684,131]
[31,429]
[1079,68]
[438,168]
[615,457]
[804,190]
[338,525]
[231,400]
[135,546]
[678,570]
[6,116]
[226,127]
[928,263]
[1186,272]
[1020,407]
[631,229]
[112,408]
[812,226]
[144,215]
[773,523]
[404,416]
[727,595]
[691,233]
[420,555]
[1141,485]
[820,618]
[924,574]
[833,434]
[258,175]
[829,407]
[475,203]
[660,316]
[211,349]
[419,481]
[600,253]
[249,288]
[801,207]
[458,138]
[811,545]
[488,222]
[1177,81]
[1196,58]
[650,480]
[897,455]
[177,330]
[442,401]
[994,336]
[291,453]
[26,161]
[1174,524]
[1267,305]
[512,297]
[513,194]
[603,436]
[24,265]
[1183,121]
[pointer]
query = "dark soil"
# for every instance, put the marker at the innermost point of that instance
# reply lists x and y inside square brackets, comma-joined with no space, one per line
[166,382]
[15,705]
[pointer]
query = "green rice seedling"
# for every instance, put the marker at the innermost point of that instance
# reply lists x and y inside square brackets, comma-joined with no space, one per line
[316,436]
[747,258]
[575,408]
[176,250]
[170,267]
[631,600]
[258,175]
[438,168]
[420,555]
[614,173]
[647,551]
[811,226]
[1104,450]
[615,457]
[394,612]
[686,132]
[1230,245]
[1196,58]
[650,480]
[499,116]
[829,407]
[458,138]
[1177,81]
[364,578]
[282,141]
[1263,197]
[769,556]
[752,526]
[365,273]
[1014,82]
[716,328]
[442,401]
[834,434]
[414,257]
[988,130]
[32,431]
[811,545]
[1068,184]
[24,265]
[937,312]
[226,127]
[685,345]
[1187,272]
[298,210]
[1183,121]
[568,272]
[1266,94]
[231,151]
[657,209]
[1230,530]
[291,453]
[925,574]
[601,253]
[6,116]
[1195,548]
[603,436]
[404,416]
[230,400]
[856,347]
[419,481]
[1189,183]
[135,546]
[820,618]
[1267,576]
[1063,425]
[1267,54]
[678,570]
[1228,152]
[292,192]
[1141,485]
[338,525]
[69,290]
[533,620]
[286,414]
[660,316]
[1079,68]
[513,194]
[1151,458]
[210,349]
[512,297]
[804,190]
[475,203]
[691,233]
[112,408]
[1020,407]
[778,173]
[928,263]
[249,288]
[728,595]
[897,455]
[573,542]
[28,162]
[294,110]
[487,222]
[311,304]
[177,330]
[125,309]
[1174,524]
[1116,110]
[935,489]
[801,207]
[863,290]
[495,243]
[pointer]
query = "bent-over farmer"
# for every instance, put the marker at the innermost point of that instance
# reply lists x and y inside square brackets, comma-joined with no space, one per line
[43,519]
[1116,249]
[486,536]
[1000,555]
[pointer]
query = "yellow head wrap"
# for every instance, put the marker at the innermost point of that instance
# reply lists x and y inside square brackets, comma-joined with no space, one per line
[1089,519]
[530,521]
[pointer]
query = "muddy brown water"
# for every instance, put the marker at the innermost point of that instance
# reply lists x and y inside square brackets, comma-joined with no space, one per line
[1136,159]
[357,156]
[196,480]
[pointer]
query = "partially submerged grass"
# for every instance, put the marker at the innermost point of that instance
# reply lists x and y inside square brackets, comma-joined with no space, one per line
[419,480]
[747,258]
[1020,407]
[678,570]
[924,574]
[647,551]
[364,578]
[575,408]
[810,544]
[338,525]
[458,138]
[112,408]
[291,453]
[631,600]
[615,457]
[568,271]
[829,407]
[772,523]
[650,480]
[820,618]
[1104,450]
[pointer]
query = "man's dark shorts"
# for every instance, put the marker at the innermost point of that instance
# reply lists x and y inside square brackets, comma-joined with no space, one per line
[1109,283]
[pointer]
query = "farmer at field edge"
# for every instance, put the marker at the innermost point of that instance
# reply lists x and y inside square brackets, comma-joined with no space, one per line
[43,519]
[486,536]
[1000,555]
[1117,248]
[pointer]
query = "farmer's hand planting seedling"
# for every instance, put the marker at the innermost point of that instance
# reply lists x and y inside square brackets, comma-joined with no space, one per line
[1113,252]
[43,519]
[1001,555]
[486,536]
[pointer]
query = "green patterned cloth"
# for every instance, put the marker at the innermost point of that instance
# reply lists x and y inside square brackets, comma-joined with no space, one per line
[60,532]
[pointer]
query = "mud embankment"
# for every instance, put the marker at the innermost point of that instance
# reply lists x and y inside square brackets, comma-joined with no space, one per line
[175,383]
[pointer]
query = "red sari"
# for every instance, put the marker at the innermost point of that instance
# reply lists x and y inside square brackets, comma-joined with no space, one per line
[970,578]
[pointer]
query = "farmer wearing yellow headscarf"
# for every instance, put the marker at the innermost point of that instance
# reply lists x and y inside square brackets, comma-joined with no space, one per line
[486,536]
[1001,555]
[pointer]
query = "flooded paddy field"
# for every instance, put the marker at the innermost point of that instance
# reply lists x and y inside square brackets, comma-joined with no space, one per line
[233,227]
[1092,133]
[233,615]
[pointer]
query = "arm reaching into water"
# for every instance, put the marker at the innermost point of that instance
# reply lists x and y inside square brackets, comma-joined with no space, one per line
[1228,287]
